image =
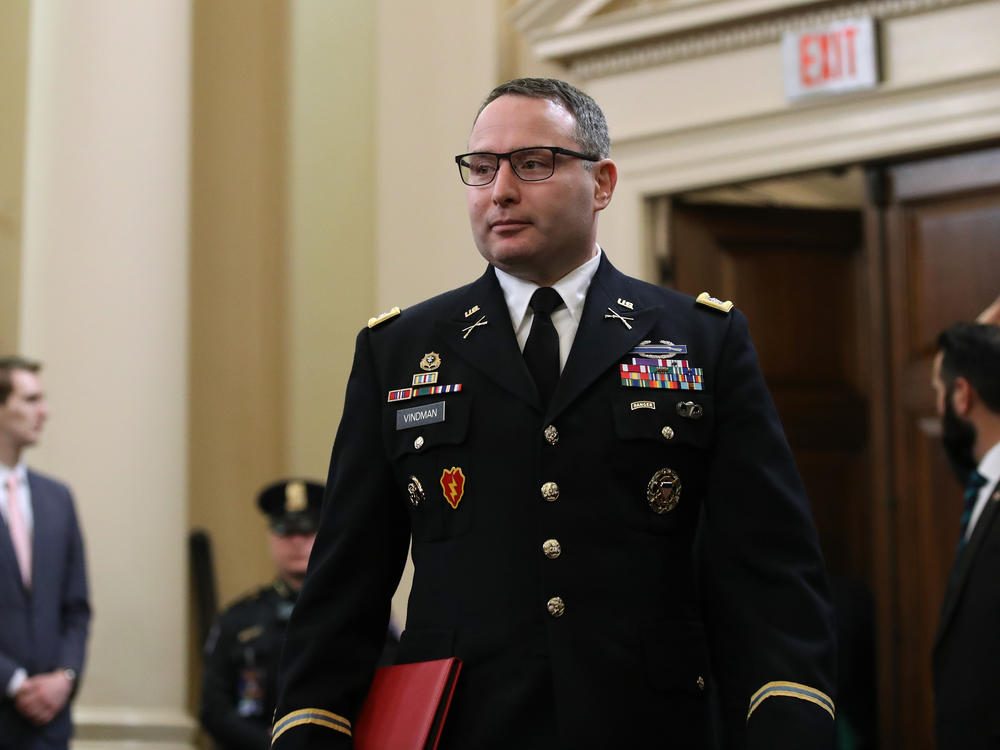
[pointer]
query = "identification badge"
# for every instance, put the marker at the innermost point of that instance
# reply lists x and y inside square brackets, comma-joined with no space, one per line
[418,416]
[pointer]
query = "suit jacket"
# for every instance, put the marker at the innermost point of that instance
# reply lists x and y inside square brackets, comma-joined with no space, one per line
[584,619]
[966,663]
[45,628]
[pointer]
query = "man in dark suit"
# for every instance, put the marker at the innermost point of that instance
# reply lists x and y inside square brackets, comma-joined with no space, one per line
[966,381]
[44,609]
[608,527]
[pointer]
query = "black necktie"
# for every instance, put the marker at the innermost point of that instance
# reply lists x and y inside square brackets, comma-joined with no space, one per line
[541,350]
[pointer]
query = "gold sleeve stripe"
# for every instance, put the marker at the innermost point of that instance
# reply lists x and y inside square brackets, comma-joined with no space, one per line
[310,716]
[792,690]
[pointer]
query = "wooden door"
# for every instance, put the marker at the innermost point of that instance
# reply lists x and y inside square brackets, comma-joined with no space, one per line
[940,228]
[800,277]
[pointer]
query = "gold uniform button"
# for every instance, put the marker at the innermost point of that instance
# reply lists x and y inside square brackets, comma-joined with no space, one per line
[551,435]
[552,549]
[668,432]
[419,442]
[556,606]
[700,682]
[550,491]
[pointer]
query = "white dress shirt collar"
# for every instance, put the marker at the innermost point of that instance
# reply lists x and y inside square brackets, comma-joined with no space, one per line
[572,288]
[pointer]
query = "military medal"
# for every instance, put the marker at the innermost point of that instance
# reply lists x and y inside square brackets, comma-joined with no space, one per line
[416,492]
[664,491]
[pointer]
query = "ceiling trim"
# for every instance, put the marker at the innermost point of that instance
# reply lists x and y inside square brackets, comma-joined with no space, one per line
[599,45]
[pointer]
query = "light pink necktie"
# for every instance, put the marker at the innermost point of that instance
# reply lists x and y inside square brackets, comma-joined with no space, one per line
[19,536]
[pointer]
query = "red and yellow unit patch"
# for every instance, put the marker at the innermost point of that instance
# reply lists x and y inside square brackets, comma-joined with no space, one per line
[662,376]
[453,485]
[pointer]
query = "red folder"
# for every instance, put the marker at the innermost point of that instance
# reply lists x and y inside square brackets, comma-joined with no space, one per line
[406,706]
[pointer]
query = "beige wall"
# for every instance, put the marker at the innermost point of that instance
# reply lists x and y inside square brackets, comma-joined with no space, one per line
[104,304]
[13,82]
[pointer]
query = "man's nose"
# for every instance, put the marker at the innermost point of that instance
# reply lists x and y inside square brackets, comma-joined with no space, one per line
[506,184]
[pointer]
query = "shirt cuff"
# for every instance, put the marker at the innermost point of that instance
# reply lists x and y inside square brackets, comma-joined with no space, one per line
[16,680]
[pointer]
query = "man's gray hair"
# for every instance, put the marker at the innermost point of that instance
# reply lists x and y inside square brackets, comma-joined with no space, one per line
[591,127]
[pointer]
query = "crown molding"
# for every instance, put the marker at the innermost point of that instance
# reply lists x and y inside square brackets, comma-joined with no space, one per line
[599,45]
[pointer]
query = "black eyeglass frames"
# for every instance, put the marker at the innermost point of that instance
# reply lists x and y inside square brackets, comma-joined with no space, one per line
[532,164]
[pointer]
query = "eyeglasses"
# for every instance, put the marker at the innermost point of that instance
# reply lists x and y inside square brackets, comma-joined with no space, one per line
[532,164]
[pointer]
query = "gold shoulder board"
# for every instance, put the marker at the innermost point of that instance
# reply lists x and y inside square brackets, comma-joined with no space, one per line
[372,322]
[717,304]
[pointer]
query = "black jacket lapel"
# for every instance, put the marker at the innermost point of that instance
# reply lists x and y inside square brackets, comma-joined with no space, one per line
[601,341]
[490,347]
[962,566]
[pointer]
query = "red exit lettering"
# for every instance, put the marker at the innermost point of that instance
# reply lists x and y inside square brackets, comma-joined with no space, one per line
[827,57]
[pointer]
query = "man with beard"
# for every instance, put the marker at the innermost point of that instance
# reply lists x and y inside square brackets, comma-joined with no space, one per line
[966,381]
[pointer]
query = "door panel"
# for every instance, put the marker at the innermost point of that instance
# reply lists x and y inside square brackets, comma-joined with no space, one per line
[943,265]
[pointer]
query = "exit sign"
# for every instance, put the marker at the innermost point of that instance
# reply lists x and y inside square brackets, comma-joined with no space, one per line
[836,58]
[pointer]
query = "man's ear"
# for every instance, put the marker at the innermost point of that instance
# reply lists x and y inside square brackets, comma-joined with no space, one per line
[605,178]
[963,396]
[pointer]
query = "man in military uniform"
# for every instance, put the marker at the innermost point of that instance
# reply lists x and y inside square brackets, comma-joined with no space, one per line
[608,527]
[241,655]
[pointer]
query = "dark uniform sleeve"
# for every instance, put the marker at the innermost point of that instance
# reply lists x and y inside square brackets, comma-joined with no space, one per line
[766,593]
[220,688]
[337,629]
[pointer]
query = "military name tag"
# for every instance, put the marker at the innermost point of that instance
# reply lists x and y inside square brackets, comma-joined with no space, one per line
[418,416]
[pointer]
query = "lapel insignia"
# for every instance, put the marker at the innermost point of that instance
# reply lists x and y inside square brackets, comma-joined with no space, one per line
[430,361]
[614,314]
[472,310]
[481,322]
[425,378]
[714,302]
[625,303]
[453,485]
[372,322]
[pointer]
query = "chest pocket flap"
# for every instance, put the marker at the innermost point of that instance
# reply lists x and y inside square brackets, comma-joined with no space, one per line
[671,418]
[422,427]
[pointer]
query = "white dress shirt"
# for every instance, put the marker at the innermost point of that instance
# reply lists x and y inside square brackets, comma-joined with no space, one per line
[572,288]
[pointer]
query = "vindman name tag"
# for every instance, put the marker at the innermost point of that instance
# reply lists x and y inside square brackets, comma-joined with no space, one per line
[417,416]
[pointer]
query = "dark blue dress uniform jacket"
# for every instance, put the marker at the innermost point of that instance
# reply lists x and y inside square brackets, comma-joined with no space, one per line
[721,600]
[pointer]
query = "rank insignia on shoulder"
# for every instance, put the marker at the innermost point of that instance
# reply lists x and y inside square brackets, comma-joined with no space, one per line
[714,302]
[453,485]
[378,319]
[249,633]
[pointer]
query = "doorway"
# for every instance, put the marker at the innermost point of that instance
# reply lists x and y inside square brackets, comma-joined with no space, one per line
[846,276]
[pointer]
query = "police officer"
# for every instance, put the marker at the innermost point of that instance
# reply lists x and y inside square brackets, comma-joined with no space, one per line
[241,655]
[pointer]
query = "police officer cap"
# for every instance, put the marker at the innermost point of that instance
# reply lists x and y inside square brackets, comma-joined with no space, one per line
[292,506]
